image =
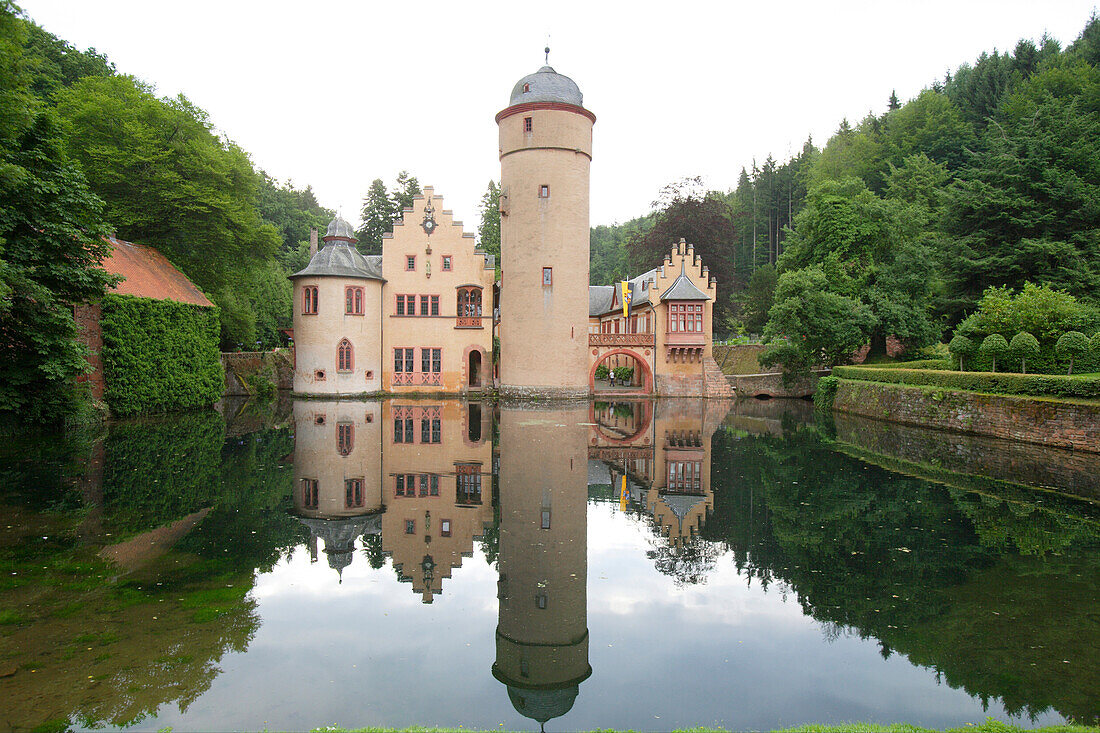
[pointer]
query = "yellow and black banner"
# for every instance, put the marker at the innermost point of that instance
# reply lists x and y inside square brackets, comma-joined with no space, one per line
[628,295]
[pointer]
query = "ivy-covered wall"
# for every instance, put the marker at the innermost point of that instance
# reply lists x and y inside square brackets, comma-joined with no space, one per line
[159,355]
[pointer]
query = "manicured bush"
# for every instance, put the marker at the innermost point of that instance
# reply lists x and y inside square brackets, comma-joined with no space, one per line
[915,364]
[602,371]
[1053,385]
[961,347]
[159,355]
[993,346]
[1071,344]
[1094,346]
[1023,346]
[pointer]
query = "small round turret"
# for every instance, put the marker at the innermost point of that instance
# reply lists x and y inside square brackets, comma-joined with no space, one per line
[340,229]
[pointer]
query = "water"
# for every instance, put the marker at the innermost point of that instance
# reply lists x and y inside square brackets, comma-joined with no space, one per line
[443,563]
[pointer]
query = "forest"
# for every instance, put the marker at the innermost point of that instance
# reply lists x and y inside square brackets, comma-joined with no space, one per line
[898,226]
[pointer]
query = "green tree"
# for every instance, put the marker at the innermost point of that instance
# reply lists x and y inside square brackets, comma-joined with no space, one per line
[758,298]
[994,345]
[382,207]
[1071,345]
[1023,346]
[811,325]
[1094,346]
[405,189]
[961,347]
[51,241]
[488,230]
[168,181]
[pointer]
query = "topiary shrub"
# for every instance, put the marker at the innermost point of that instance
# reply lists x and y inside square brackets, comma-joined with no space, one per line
[1070,345]
[1094,347]
[159,355]
[994,345]
[1023,346]
[602,371]
[961,347]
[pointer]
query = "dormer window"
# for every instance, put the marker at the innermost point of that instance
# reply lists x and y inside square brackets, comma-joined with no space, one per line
[544,192]
[526,87]
[527,124]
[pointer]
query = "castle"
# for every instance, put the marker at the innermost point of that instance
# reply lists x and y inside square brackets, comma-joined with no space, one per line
[422,316]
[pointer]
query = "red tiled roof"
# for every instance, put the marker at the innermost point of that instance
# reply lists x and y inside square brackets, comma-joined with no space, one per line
[149,274]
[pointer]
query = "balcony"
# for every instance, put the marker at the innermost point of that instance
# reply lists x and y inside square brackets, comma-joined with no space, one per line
[620,339]
[688,339]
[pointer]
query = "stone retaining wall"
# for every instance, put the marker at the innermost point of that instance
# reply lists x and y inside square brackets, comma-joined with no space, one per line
[771,385]
[1074,425]
[239,365]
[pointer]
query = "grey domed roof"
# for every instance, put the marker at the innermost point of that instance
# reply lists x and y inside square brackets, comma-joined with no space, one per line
[546,85]
[339,227]
[339,259]
[542,705]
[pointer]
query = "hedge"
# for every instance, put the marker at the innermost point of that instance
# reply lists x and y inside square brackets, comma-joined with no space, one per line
[1053,385]
[917,364]
[159,355]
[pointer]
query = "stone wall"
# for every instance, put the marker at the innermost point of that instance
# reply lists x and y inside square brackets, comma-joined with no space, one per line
[772,385]
[1060,424]
[90,333]
[739,358]
[239,365]
[1029,464]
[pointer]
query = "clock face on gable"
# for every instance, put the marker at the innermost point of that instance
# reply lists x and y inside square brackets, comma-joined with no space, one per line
[428,224]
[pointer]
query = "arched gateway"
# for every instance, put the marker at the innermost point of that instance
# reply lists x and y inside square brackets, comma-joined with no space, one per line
[641,377]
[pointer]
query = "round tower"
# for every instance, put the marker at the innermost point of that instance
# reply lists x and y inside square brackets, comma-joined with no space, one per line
[545,157]
[338,318]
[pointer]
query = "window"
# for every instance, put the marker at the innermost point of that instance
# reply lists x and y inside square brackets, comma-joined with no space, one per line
[309,300]
[467,483]
[423,305]
[344,361]
[527,120]
[435,305]
[444,528]
[541,601]
[437,360]
[410,526]
[548,276]
[345,437]
[403,430]
[526,88]
[685,475]
[446,263]
[545,519]
[309,493]
[353,301]
[469,307]
[544,191]
[685,317]
[353,493]
[403,361]
[407,484]
[410,262]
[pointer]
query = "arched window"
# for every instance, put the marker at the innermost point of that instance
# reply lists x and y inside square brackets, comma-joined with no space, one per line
[469,307]
[353,301]
[309,300]
[344,356]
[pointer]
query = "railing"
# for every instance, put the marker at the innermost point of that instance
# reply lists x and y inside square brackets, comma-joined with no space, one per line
[620,339]
[468,322]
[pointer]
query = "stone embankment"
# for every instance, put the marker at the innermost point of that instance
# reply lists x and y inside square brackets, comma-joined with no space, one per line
[1057,423]
[276,366]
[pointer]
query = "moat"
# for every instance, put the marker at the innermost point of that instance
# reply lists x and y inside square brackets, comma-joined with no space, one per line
[632,564]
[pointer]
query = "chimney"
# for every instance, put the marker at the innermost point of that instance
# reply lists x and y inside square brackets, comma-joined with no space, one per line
[312,241]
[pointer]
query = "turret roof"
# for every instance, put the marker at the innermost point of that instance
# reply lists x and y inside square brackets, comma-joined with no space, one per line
[339,259]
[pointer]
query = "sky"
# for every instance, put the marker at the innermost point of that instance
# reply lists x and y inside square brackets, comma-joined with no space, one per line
[335,94]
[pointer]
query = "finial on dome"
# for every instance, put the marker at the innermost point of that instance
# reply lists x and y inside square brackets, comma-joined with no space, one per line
[547,51]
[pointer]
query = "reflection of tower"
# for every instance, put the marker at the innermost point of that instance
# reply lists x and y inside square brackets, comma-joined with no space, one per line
[542,634]
[545,156]
[337,474]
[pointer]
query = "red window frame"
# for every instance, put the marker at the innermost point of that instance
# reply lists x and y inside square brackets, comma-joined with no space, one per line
[345,356]
[528,125]
[444,527]
[353,492]
[446,265]
[410,263]
[548,276]
[309,300]
[410,526]
[345,437]
[309,493]
[435,305]
[353,301]
[403,362]
[544,191]
[424,300]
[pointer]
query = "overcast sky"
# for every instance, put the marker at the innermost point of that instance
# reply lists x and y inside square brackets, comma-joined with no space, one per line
[335,94]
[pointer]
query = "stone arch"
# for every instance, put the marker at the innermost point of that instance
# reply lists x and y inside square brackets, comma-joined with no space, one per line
[647,373]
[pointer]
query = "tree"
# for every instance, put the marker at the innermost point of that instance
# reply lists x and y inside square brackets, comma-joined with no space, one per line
[893,102]
[488,230]
[1094,346]
[811,325]
[994,345]
[758,298]
[377,214]
[961,347]
[1071,344]
[1023,346]
[169,182]
[405,189]
[51,241]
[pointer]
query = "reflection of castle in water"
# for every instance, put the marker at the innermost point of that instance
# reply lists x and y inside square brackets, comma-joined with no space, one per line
[542,632]
[662,449]
[409,477]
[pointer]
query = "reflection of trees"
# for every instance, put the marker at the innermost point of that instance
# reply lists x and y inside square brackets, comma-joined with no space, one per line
[687,563]
[372,550]
[959,582]
[113,653]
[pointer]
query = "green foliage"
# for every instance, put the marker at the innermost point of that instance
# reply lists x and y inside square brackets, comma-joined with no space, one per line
[608,260]
[1023,346]
[1070,345]
[170,182]
[51,240]
[814,326]
[602,371]
[1094,346]
[758,298]
[488,230]
[993,346]
[1038,385]
[381,208]
[159,355]
[262,385]
[825,393]
[961,347]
